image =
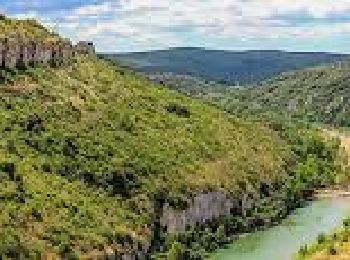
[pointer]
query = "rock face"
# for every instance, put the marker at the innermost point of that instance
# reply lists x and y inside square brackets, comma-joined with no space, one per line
[23,53]
[85,47]
[203,207]
[10,55]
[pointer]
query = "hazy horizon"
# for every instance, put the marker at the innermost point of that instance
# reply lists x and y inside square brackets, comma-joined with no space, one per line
[223,50]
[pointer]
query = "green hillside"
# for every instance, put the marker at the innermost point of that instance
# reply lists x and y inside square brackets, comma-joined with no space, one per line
[223,66]
[78,140]
[319,94]
[188,85]
[28,29]
[87,150]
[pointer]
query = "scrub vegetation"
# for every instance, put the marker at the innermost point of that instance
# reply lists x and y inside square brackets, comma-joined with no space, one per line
[87,150]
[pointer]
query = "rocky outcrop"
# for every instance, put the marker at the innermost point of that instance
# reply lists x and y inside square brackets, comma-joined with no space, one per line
[24,53]
[203,207]
[85,47]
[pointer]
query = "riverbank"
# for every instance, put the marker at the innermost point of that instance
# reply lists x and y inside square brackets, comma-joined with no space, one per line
[336,244]
[312,168]
[333,246]
[333,192]
[284,240]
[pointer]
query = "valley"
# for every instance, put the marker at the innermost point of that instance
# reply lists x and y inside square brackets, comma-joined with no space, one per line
[324,214]
[227,67]
[283,241]
[98,161]
[315,95]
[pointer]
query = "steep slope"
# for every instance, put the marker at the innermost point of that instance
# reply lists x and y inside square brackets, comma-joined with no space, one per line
[223,66]
[319,94]
[86,150]
[85,127]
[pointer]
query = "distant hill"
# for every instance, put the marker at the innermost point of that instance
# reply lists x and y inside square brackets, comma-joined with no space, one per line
[318,94]
[189,85]
[226,67]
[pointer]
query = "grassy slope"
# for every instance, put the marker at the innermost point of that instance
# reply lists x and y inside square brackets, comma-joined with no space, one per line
[322,96]
[84,152]
[28,29]
[87,123]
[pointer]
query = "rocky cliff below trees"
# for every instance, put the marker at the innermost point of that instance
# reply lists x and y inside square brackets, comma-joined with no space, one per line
[203,207]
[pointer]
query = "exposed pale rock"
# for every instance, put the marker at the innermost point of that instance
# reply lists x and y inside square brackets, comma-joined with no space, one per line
[203,207]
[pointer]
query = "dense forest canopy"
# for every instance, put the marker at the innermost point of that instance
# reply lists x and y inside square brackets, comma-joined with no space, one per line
[224,67]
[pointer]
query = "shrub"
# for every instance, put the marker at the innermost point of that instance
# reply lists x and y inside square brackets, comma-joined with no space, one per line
[176,251]
[346,223]
[303,250]
[321,238]
[332,250]
[179,110]
[8,168]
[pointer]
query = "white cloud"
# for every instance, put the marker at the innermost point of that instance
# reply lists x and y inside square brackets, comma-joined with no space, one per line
[146,23]
[315,8]
[93,9]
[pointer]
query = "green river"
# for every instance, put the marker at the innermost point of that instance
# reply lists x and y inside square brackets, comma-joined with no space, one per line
[283,241]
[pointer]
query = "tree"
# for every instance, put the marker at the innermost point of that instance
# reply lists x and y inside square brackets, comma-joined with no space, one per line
[176,251]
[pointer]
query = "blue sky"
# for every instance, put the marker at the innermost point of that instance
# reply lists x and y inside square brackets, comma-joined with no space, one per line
[138,25]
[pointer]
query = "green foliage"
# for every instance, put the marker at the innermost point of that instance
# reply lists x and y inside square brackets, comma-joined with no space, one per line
[332,250]
[321,238]
[316,95]
[179,66]
[302,251]
[179,110]
[189,85]
[87,149]
[29,29]
[346,223]
[176,251]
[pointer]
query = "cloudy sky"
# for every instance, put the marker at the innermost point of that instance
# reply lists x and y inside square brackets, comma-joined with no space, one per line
[138,25]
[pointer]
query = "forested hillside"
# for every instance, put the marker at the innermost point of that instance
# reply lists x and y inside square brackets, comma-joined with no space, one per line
[228,67]
[189,85]
[320,94]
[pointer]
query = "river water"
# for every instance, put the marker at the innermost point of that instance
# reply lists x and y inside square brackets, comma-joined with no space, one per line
[283,241]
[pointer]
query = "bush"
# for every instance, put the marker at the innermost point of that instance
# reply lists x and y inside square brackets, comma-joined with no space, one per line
[176,251]
[179,110]
[303,250]
[321,238]
[8,168]
[332,250]
[346,223]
